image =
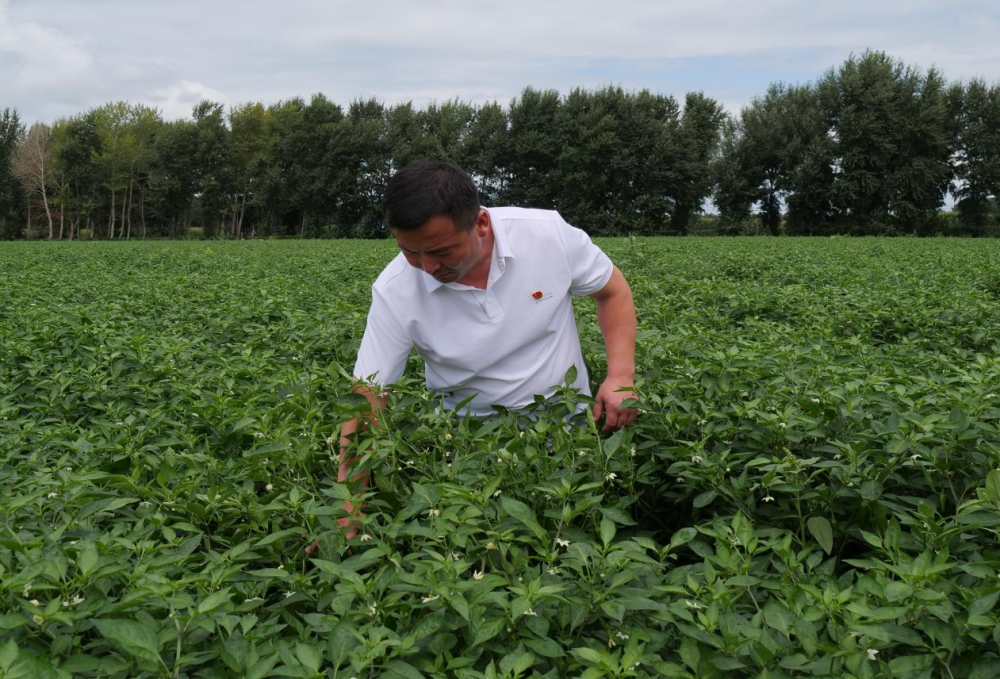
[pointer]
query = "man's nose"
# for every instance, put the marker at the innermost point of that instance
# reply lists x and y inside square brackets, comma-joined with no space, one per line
[429,264]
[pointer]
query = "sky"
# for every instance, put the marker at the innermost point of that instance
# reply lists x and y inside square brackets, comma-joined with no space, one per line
[62,57]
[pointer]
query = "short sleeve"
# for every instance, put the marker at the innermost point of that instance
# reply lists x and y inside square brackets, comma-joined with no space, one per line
[385,345]
[589,267]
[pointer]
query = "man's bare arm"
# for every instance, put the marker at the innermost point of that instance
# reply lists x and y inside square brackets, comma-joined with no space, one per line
[376,402]
[616,318]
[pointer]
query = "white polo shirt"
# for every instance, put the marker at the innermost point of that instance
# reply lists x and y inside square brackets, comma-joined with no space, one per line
[502,345]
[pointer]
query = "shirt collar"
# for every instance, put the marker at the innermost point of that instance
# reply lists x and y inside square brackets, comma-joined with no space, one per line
[501,251]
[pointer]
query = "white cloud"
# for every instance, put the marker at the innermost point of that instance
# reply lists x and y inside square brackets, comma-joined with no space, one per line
[170,54]
[176,100]
[39,60]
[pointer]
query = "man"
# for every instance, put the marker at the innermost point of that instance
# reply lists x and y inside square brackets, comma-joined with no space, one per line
[485,296]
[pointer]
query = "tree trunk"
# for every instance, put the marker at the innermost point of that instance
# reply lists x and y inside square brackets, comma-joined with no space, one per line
[121,226]
[128,213]
[111,217]
[48,212]
[142,212]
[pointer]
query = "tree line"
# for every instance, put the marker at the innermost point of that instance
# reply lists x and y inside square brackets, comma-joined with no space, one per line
[874,146]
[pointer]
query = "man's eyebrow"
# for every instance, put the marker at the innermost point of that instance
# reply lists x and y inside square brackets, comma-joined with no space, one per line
[428,252]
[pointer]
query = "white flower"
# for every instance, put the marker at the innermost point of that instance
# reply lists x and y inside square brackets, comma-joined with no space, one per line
[372,610]
[814,400]
[691,604]
[530,612]
[553,571]
[477,575]
[330,440]
[269,487]
[697,459]
[288,594]
[433,512]
[582,453]
[497,494]
[145,503]
[623,637]
[872,652]
[428,599]
[256,598]
[53,495]
[562,543]
[768,498]
[680,479]
[611,477]
[631,451]
[281,566]
[990,396]
[77,600]
[365,537]
[36,603]
[258,434]
[783,425]
[490,546]
[447,437]
[915,457]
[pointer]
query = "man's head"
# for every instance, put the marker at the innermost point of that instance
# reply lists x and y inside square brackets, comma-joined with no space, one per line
[425,189]
[433,211]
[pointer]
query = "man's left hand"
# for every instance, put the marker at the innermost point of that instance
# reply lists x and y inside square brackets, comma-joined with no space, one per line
[608,403]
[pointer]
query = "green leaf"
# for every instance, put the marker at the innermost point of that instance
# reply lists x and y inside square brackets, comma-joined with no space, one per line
[309,656]
[778,617]
[214,600]
[911,663]
[872,539]
[487,630]
[823,532]
[619,516]
[87,558]
[524,514]
[274,537]
[546,648]
[342,640]
[683,536]
[615,609]
[703,499]
[608,531]
[588,656]
[134,638]
[242,424]
[399,668]
[690,653]
[983,605]
[897,591]
[613,443]
[8,654]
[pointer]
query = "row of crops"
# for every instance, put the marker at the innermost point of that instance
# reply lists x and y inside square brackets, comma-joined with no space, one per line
[812,489]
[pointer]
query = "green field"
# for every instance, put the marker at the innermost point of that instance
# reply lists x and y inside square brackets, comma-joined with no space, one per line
[812,489]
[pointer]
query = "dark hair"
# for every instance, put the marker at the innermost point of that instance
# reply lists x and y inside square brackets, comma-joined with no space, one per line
[425,189]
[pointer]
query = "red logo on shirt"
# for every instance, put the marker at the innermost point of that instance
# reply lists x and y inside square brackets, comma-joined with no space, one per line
[537,294]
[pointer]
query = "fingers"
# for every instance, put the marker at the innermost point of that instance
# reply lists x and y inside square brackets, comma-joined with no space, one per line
[598,408]
[616,418]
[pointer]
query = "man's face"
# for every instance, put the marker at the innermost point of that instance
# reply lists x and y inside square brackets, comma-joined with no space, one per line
[443,251]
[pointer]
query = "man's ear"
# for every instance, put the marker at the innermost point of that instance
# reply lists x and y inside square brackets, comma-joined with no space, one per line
[482,223]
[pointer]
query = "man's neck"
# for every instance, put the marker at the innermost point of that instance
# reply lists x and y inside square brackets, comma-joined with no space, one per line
[479,275]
